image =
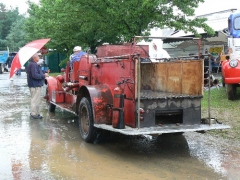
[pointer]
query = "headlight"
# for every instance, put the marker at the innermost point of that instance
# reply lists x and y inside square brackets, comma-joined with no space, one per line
[233,63]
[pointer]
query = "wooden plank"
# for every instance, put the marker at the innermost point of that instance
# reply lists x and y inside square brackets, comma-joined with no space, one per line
[184,77]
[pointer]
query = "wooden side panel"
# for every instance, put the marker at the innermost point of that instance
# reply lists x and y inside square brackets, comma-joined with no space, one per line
[183,77]
[154,76]
[192,78]
[174,77]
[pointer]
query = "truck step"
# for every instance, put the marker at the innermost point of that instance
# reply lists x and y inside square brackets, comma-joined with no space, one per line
[162,129]
[64,106]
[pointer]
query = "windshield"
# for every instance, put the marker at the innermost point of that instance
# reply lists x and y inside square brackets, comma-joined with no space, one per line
[237,23]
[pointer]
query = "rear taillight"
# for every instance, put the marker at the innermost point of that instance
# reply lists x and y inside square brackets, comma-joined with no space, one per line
[142,112]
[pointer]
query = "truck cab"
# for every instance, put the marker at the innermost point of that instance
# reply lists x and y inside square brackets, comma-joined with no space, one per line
[231,66]
[3,59]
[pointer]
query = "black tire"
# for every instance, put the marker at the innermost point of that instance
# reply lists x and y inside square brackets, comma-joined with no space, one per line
[51,107]
[231,91]
[1,68]
[102,136]
[223,82]
[85,121]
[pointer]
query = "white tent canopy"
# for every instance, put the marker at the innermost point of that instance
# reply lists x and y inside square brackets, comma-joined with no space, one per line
[218,21]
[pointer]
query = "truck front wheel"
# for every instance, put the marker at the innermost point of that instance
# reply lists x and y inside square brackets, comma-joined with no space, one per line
[51,107]
[223,82]
[1,68]
[231,91]
[85,121]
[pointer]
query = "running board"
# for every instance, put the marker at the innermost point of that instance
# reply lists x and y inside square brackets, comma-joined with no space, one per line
[162,129]
[64,106]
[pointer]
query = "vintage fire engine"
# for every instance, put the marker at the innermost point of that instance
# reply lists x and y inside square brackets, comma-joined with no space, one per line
[120,89]
[231,67]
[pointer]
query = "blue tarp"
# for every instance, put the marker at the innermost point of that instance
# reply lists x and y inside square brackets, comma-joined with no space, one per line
[3,56]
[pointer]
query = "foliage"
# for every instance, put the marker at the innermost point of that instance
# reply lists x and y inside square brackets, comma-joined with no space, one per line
[92,23]
[54,74]
[9,17]
[15,39]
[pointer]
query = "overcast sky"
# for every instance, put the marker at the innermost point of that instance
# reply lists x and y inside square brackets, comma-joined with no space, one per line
[209,6]
[21,4]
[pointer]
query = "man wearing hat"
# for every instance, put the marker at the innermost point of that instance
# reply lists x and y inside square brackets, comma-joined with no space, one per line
[77,55]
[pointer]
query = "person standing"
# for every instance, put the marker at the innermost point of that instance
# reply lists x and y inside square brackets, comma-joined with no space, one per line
[35,80]
[9,60]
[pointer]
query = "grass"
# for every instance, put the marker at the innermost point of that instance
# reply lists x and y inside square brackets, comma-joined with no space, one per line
[54,74]
[218,99]
[223,110]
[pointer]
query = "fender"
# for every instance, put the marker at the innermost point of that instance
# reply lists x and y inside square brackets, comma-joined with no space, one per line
[53,85]
[101,101]
[231,75]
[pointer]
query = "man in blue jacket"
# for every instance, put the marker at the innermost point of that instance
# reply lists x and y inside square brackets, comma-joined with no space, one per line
[77,55]
[35,79]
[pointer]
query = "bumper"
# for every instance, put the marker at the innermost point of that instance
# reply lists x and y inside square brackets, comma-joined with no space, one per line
[163,129]
[231,75]
[232,80]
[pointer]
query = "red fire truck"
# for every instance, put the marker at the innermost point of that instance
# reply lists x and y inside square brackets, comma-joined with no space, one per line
[121,90]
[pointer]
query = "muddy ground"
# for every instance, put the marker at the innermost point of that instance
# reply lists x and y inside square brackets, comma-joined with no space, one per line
[52,148]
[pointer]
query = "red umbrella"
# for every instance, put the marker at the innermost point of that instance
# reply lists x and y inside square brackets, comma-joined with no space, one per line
[25,53]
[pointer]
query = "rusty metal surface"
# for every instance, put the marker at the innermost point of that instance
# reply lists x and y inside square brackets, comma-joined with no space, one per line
[74,72]
[149,94]
[193,77]
[119,50]
[182,77]
[157,103]
[101,99]
[53,85]
[162,129]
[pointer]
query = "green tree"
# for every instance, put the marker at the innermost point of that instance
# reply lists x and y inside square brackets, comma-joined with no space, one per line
[91,23]
[16,37]
[7,18]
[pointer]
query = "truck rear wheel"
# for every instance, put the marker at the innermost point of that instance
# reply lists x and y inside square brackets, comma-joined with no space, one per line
[231,91]
[85,121]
